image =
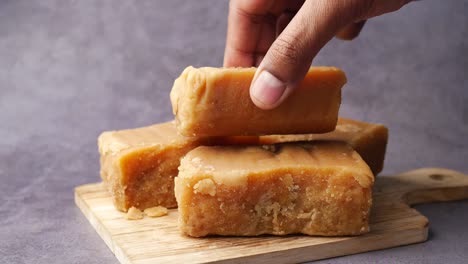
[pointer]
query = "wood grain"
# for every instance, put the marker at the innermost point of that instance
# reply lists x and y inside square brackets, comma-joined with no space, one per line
[393,223]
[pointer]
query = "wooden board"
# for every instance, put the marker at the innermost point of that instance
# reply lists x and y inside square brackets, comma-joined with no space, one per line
[157,240]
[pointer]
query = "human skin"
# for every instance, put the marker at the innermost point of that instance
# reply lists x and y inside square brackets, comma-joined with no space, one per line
[282,37]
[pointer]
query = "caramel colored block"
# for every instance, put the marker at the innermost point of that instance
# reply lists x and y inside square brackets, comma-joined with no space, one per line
[216,102]
[319,188]
[369,140]
[138,166]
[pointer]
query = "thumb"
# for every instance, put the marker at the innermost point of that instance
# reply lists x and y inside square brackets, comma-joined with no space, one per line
[290,56]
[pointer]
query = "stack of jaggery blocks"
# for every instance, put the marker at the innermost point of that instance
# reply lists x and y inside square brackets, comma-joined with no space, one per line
[234,169]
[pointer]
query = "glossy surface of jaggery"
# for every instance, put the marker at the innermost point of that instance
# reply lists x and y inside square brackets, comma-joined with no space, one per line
[138,166]
[319,188]
[216,102]
[368,139]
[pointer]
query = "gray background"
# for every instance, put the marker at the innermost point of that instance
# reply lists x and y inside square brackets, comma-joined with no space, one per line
[71,69]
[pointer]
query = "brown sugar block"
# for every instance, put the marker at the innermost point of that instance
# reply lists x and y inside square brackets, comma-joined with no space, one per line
[216,102]
[155,152]
[138,165]
[368,139]
[319,188]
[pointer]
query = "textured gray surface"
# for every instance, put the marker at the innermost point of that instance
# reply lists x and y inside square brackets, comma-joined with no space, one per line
[71,69]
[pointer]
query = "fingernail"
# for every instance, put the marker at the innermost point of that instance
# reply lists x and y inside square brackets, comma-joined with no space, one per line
[267,89]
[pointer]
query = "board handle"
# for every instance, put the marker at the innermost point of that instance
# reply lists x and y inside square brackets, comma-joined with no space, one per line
[424,185]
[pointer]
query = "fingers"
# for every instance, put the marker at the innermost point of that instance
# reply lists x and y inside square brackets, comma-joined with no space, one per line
[291,54]
[252,29]
[351,31]
[380,7]
[282,21]
[245,22]
[289,58]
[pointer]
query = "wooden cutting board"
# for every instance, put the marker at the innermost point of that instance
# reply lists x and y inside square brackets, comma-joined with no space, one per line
[157,240]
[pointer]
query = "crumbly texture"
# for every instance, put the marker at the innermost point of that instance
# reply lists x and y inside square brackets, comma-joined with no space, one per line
[216,102]
[134,214]
[156,211]
[320,188]
[368,139]
[138,166]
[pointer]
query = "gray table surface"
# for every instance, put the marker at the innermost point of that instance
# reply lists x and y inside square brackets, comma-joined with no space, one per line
[71,69]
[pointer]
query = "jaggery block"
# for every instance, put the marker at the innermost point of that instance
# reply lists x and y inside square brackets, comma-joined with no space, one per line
[138,166]
[317,188]
[216,102]
[368,139]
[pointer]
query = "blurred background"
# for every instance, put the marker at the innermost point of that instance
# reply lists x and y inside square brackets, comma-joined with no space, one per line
[72,69]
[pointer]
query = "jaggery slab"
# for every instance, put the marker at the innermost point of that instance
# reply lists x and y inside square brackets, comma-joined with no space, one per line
[138,166]
[318,188]
[145,185]
[368,139]
[216,102]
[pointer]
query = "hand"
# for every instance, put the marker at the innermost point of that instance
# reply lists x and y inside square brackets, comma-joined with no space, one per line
[282,37]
